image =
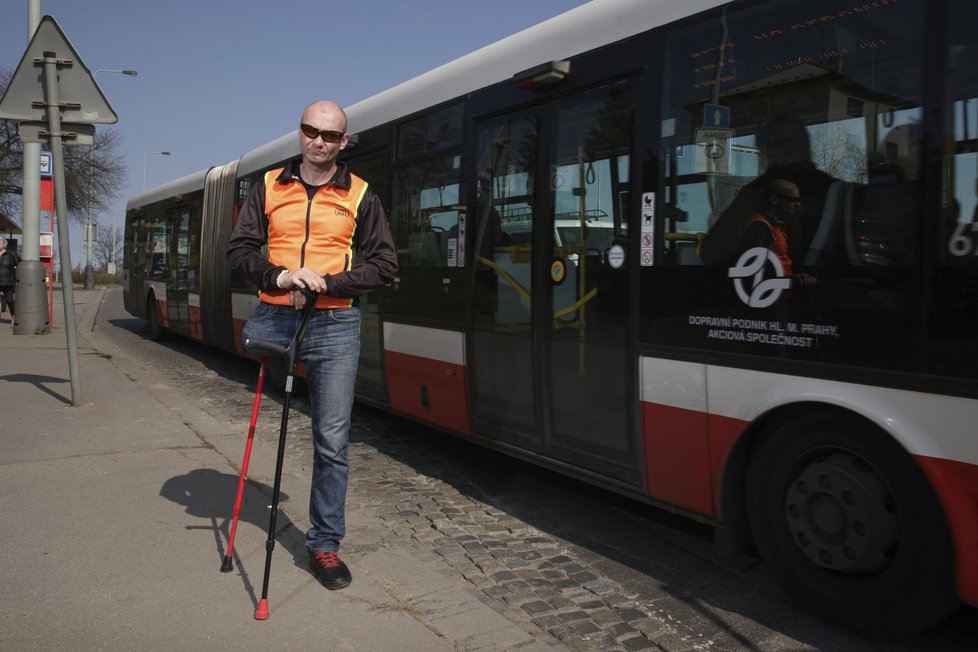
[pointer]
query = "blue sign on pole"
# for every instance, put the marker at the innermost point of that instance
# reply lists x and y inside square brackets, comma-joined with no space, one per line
[716,116]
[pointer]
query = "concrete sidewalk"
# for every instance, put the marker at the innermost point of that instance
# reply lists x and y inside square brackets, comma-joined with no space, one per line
[115,517]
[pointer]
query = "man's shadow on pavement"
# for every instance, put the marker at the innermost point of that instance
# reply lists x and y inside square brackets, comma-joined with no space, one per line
[210,494]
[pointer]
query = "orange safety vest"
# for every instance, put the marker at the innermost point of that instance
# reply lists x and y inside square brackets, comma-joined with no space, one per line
[316,233]
[780,244]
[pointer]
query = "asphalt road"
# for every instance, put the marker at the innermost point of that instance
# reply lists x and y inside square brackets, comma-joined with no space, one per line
[683,596]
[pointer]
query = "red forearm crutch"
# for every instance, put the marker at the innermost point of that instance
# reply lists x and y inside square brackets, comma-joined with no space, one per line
[289,353]
[228,565]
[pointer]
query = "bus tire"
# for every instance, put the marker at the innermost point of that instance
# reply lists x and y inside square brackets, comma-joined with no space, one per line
[156,330]
[851,526]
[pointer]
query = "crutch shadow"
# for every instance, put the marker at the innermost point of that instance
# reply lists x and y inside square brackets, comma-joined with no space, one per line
[210,495]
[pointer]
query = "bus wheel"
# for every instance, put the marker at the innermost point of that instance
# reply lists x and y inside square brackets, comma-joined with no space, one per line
[156,330]
[851,526]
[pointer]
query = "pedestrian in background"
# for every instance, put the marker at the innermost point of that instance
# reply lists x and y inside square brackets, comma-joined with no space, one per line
[8,275]
[314,214]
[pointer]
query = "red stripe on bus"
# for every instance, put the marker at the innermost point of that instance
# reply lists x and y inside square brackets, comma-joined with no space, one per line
[956,484]
[162,314]
[196,326]
[686,452]
[429,390]
[677,457]
[724,432]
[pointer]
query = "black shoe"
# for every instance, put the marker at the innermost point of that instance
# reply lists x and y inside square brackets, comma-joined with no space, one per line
[329,570]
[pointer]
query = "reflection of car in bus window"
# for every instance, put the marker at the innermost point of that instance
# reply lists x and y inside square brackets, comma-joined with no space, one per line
[598,237]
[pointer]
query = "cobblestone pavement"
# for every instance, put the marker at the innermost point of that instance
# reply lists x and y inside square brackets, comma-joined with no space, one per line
[527,575]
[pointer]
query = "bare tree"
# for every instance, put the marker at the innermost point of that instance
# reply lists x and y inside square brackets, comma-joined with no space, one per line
[11,157]
[93,175]
[837,151]
[107,246]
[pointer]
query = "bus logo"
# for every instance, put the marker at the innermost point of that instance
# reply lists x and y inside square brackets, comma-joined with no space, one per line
[748,275]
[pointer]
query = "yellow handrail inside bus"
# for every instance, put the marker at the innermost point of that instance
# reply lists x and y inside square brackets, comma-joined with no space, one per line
[526,295]
[580,302]
[506,277]
[686,237]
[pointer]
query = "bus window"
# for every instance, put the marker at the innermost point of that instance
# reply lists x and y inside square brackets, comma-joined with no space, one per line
[503,223]
[157,250]
[426,216]
[828,99]
[433,131]
[425,202]
[793,91]
[425,212]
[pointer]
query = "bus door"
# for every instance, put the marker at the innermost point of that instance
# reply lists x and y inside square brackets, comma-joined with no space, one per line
[503,376]
[588,368]
[549,304]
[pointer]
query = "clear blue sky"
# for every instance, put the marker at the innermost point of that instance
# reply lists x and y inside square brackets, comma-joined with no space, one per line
[218,78]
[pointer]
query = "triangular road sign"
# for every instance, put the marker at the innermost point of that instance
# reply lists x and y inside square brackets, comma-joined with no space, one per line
[80,97]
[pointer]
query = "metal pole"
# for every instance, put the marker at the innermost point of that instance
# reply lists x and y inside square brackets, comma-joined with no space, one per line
[32,306]
[33,17]
[89,268]
[53,103]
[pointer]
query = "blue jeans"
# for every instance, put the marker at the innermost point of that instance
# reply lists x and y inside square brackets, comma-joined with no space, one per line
[330,353]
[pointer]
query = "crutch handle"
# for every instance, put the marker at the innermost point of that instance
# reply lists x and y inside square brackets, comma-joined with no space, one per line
[289,351]
[264,346]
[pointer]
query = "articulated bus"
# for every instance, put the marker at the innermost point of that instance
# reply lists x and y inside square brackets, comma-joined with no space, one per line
[556,198]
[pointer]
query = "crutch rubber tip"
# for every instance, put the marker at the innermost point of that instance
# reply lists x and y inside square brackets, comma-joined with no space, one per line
[261,613]
[227,565]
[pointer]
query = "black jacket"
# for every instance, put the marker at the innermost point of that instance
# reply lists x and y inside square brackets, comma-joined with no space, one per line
[372,240]
[8,263]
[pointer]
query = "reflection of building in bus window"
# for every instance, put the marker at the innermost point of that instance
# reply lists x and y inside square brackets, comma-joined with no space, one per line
[786,153]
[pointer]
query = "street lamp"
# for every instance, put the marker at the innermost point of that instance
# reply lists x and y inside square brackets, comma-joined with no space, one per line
[145,156]
[90,228]
[130,73]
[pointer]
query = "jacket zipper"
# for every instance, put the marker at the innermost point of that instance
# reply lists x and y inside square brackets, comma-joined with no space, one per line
[302,250]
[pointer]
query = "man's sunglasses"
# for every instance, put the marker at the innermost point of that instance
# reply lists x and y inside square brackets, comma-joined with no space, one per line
[328,135]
